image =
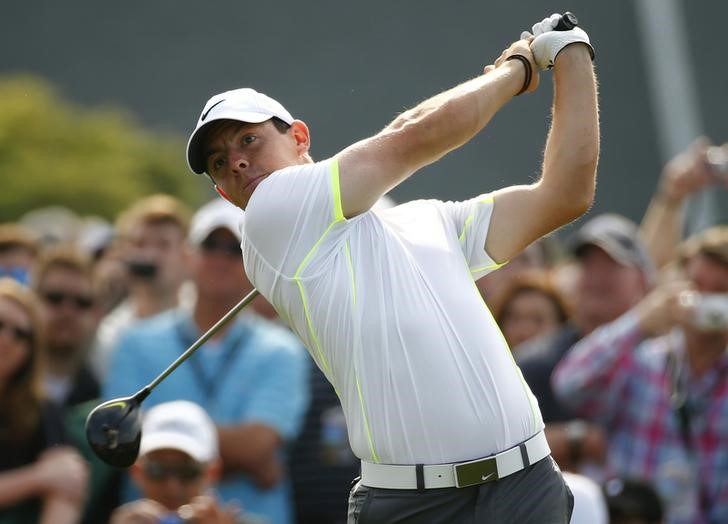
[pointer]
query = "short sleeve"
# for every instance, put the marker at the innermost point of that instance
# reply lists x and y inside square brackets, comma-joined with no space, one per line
[471,219]
[290,212]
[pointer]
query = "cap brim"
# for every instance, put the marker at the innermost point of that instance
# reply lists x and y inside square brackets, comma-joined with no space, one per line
[199,234]
[613,249]
[166,440]
[196,158]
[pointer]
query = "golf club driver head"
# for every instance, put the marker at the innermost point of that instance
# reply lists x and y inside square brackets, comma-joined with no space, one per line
[114,431]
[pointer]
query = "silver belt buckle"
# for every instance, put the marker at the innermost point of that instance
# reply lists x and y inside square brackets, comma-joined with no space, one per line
[475,472]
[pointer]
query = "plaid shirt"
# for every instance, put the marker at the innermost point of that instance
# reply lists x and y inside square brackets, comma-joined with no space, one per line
[619,379]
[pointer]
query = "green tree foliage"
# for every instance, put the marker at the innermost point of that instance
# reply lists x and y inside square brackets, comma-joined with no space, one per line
[92,161]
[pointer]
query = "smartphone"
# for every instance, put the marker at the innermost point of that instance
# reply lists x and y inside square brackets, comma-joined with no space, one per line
[142,269]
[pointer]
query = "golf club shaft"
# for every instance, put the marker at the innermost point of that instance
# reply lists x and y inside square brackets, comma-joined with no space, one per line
[204,338]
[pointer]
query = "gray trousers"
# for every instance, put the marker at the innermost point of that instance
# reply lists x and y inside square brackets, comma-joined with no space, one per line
[534,495]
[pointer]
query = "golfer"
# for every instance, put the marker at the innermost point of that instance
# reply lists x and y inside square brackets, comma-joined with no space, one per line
[437,411]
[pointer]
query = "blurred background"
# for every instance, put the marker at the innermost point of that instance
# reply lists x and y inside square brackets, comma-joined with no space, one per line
[97,98]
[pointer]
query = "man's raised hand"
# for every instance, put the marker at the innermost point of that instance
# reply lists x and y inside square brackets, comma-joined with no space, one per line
[548,41]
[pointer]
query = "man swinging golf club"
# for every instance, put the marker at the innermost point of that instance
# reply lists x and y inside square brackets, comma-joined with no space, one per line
[445,426]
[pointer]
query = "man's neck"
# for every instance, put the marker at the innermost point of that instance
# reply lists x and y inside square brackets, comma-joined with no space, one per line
[147,302]
[208,312]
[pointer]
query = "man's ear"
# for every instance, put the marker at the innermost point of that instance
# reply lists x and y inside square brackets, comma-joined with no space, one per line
[300,133]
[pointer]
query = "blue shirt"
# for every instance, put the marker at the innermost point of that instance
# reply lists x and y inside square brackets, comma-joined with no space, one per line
[257,372]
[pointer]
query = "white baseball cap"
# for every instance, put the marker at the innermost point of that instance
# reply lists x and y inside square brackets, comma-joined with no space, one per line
[243,105]
[180,425]
[213,215]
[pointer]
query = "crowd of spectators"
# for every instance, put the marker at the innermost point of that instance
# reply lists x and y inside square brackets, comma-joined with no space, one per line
[620,330]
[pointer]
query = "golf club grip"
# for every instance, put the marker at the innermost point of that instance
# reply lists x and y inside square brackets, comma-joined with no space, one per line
[567,21]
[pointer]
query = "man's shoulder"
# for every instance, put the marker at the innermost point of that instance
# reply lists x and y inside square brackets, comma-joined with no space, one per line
[283,182]
[286,200]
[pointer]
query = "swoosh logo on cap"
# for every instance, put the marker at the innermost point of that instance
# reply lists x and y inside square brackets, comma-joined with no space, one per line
[204,114]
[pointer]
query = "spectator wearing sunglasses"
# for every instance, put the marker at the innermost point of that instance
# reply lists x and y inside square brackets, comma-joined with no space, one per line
[63,280]
[251,377]
[177,468]
[42,480]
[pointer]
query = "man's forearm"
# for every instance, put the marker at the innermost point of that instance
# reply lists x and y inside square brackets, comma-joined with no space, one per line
[251,449]
[572,148]
[661,228]
[450,119]
[18,484]
[591,375]
[422,135]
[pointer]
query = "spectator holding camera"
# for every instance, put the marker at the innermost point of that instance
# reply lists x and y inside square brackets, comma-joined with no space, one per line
[152,245]
[657,380]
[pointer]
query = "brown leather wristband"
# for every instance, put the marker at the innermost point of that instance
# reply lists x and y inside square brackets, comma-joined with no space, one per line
[529,71]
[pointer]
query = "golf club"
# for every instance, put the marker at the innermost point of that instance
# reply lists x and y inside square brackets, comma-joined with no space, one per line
[113,429]
[567,21]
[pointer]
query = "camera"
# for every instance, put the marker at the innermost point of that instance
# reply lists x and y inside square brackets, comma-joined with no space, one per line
[142,269]
[717,158]
[711,312]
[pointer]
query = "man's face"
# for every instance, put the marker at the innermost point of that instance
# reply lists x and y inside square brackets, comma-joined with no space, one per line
[217,267]
[159,245]
[70,317]
[708,276]
[530,313]
[605,289]
[239,155]
[171,477]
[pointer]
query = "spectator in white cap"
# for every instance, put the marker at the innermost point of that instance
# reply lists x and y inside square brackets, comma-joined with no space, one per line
[178,465]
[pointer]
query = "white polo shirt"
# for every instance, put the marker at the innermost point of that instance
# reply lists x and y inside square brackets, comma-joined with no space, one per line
[387,305]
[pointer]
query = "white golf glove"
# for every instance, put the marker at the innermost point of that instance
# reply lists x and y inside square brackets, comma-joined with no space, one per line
[549,42]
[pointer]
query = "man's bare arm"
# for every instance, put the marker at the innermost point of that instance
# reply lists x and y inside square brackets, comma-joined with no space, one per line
[422,135]
[251,448]
[522,214]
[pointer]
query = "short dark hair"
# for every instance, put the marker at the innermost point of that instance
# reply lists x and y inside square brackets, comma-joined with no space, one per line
[281,126]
